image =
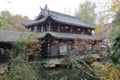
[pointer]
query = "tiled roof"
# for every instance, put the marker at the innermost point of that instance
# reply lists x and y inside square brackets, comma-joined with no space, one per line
[68,19]
[68,36]
[59,17]
[9,36]
[28,23]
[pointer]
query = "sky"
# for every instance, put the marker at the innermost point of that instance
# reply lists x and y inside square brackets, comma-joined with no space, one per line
[31,8]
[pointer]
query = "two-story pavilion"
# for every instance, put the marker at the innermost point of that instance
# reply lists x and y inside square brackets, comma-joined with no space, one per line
[59,31]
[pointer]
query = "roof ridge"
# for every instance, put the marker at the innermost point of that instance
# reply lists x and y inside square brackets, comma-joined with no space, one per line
[68,16]
[63,14]
[60,17]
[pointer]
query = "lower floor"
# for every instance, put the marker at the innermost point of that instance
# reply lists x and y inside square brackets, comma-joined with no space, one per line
[59,47]
[52,47]
[56,47]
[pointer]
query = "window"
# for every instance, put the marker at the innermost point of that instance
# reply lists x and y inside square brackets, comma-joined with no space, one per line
[63,48]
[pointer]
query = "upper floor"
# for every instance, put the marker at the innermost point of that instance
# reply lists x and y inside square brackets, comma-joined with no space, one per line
[53,21]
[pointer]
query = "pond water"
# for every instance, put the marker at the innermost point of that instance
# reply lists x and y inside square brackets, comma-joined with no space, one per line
[62,74]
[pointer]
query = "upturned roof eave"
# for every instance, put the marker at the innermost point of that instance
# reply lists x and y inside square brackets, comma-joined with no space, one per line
[67,36]
[26,24]
[53,14]
[71,23]
[11,36]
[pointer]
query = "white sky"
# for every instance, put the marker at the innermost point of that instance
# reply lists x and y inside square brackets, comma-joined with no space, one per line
[31,8]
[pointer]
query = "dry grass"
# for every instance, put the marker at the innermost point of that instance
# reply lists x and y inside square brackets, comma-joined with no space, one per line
[107,71]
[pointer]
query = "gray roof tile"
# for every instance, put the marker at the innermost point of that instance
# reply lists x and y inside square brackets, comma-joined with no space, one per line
[59,17]
[9,36]
[68,36]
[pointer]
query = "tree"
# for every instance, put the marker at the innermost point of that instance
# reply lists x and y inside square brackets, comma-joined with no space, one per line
[5,23]
[11,22]
[86,12]
[18,67]
[115,33]
[15,21]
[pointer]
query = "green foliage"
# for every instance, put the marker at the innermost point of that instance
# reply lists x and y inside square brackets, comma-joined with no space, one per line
[85,71]
[5,23]
[70,59]
[114,6]
[19,69]
[11,22]
[86,12]
[115,37]
[63,74]
[90,58]
[117,18]
[116,47]
[20,48]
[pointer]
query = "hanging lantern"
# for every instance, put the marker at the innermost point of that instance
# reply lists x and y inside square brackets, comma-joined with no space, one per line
[49,28]
[58,28]
[48,44]
[78,29]
[89,30]
[66,27]
[56,42]
[69,42]
[48,47]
